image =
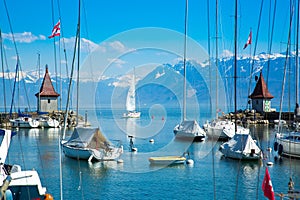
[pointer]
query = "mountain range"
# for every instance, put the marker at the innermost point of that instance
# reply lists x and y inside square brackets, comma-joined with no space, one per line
[164,85]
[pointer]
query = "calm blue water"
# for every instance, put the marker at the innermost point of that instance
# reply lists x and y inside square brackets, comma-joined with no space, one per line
[136,178]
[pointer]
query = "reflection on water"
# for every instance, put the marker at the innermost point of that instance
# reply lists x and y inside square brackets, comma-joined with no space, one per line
[136,178]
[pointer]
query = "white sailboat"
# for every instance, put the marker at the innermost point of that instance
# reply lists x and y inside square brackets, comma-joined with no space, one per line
[219,128]
[131,101]
[241,146]
[24,122]
[18,184]
[85,142]
[89,143]
[187,129]
[223,129]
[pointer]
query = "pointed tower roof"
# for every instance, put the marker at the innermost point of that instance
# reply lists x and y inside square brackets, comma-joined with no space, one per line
[261,91]
[47,89]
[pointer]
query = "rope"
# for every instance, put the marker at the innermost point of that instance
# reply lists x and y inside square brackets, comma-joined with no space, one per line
[254,51]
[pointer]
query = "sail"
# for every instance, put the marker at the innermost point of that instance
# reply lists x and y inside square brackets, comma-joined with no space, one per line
[130,101]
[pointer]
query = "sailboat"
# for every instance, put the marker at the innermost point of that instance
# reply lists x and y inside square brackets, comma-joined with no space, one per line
[187,129]
[219,128]
[241,146]
[16,183]
[89,143]
[131,101]
[86,142]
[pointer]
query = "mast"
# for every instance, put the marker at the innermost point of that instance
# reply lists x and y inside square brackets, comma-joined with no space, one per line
[2,64]
[235,64]
[71,76]
[39,94]
[217,114]
[184,61]
[78,64]
[297,55]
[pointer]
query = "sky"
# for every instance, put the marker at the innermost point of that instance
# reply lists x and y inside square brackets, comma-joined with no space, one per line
[116,29]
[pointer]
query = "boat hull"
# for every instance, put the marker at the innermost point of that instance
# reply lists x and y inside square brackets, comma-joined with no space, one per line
[77,153]
[290,144]
[24,123]
[223,130]
[48,123]
[167,160]
[132,115]
[89,154]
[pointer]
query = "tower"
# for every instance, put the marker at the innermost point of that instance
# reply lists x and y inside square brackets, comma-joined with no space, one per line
[47,97]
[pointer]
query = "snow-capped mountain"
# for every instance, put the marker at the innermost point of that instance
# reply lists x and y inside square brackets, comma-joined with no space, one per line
[164,85]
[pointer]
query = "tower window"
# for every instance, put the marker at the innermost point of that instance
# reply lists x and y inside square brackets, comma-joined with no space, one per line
[48,100]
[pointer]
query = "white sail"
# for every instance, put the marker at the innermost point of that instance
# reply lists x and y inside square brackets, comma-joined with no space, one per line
[130,101]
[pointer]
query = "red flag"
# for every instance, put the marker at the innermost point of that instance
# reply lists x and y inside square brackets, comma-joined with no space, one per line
[249,41]
[55,30]
[267,186]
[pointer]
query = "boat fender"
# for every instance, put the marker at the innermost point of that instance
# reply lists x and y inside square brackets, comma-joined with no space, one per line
[275,146]
[48,197]
[280,149]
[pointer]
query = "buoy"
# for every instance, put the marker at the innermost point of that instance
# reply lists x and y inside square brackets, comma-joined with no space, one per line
[189,162]
[269,149]
[269,163]
[151,140]
[162,118]
[120,161]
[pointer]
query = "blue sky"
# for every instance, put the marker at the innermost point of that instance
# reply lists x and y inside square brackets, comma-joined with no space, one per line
[104,23]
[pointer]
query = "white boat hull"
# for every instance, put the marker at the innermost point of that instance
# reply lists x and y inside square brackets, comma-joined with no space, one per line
[48,123]
[167,160]
[132,115]
[88,154]
[290,144]
[192,132]
[24,122]
[223,130]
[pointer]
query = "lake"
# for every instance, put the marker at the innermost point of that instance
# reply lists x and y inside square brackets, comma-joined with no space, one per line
[210,175]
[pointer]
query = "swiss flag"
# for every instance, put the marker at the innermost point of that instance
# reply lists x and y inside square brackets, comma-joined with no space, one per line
[267,186]
[249,41]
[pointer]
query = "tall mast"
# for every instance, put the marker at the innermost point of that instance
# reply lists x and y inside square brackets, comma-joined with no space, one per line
[39,94]
[184,61]
[78,64]
[217,59]
[235,64]
[2,64]
[297,54]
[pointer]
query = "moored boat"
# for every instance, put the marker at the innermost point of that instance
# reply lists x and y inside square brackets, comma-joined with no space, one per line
[16,183]
[24,122]
[189,130]
[241,147]
[288,144]
[167,160]
[88,143]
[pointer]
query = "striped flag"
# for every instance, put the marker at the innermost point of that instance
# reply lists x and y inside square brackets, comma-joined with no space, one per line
[249,41]
[55,30]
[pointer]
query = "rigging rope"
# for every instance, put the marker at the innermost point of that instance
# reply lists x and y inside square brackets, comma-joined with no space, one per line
[254,51]
[210,88]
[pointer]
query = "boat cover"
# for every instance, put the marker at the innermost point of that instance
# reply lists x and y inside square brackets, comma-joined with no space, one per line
[241,143]
[88,138]
[189,127]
